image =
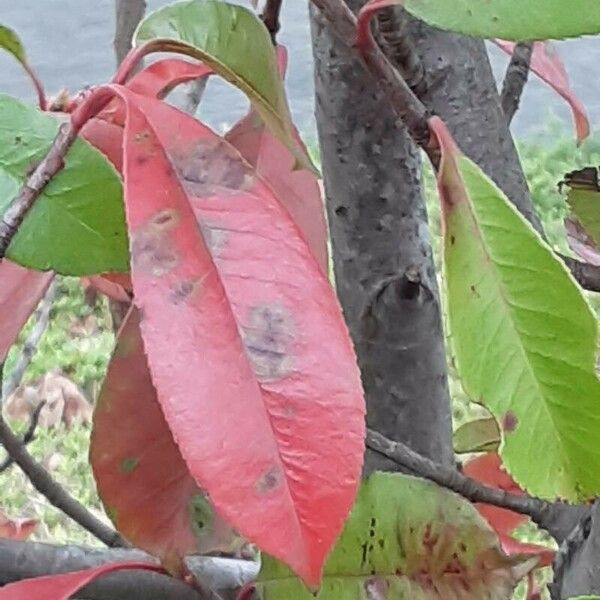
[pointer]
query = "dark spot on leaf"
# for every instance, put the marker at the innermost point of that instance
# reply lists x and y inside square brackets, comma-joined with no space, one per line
[201,512]
[18,139]
[184,290]
[269,480]
[152,249]
[377,589]
[142,159]
[268,336]
[341,211]
[128,465]
[381,543]
[142,136]
[474,291]
[165,218]
[365,551]
[211,166]
[452,240]
[509,422]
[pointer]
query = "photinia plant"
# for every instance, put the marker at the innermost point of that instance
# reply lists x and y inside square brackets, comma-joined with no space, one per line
[232,410]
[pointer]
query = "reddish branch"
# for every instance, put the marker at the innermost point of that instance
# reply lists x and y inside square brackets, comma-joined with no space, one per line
[35,184]
[270,17]
[515,79]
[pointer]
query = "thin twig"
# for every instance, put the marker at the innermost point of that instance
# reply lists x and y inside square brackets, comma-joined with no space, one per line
[42,318]
[29,434]
[410,110]
[452,479]
[400,50]
[36,182]
[515,79]
[128,14]
[270,17]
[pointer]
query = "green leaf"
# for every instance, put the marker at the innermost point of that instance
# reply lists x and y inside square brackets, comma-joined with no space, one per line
[523,335]
[518,20]
[10,41]
[77,225]
[236,44]
[407,539]
[480,435]
[584,199]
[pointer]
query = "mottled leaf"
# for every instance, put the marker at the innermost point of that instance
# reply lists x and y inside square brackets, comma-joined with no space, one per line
[63,586]
[20,291]
[234,42]
[76,226]
[523,335]
[547,64]
[142,480]
[479,435]
[299,191]
[517,20]
[245,339]
[407,539]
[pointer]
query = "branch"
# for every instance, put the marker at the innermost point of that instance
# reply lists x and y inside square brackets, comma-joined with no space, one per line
[586,274]
[515,79]
[400,50]
[21,560]
[410,110]
[270,17]
[128,13]
[42,317]
[29,434]
[538,510]
[36,182]
[43,482]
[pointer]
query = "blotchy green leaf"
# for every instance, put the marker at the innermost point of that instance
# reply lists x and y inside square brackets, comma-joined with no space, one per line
[77,225]
[10,41]
[407,539]
[236,44]
[523,335]
[479,435]
[517,20]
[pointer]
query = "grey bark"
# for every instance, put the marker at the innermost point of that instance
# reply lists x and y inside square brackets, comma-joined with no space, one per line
[382,254]
[128,13]
[22,560]
[462,91]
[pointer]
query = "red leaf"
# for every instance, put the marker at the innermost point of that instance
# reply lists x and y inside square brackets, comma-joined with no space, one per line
[158,79]
[488,469]
[109,288]
[20,292]
[297,190]
[106,137]
[248,357]
[16,529]
[547,65]
[141,477]
[62,587]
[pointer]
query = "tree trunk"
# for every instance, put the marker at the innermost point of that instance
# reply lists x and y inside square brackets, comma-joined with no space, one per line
[382,254]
